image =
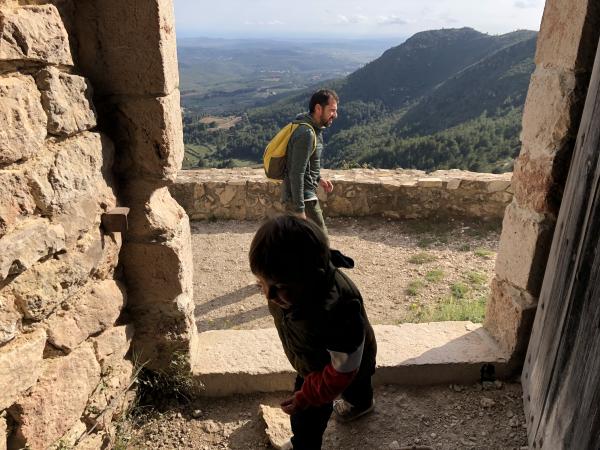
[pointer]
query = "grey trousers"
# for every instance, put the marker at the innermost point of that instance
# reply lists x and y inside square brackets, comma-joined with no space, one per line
[313,211]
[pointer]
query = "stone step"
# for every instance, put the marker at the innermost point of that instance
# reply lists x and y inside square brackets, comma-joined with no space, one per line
[244,361]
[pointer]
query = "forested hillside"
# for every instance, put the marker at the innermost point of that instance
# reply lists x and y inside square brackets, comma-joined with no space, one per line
[443,99]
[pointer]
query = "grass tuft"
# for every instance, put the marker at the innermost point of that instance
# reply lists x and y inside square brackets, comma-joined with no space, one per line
[421,258]
[449,308]
[484,253]
[414,287]
[434,276]
[477,279]
[459,290]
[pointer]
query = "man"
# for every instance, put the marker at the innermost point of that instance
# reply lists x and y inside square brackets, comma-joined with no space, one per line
[303,167]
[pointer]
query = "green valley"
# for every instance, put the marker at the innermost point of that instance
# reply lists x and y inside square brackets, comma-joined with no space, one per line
[448,98]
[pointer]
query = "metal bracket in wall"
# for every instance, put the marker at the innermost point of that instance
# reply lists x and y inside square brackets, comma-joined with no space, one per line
[115,220]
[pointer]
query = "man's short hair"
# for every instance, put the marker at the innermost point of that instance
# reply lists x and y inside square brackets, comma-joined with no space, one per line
[288,249]
[321,97]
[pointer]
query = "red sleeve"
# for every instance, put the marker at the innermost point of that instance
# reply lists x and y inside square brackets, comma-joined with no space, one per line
[323,387]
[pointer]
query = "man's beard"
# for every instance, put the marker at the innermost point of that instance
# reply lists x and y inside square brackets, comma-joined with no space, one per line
[326,123]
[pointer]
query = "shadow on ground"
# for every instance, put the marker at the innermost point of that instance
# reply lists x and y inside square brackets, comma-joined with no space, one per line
[233,319]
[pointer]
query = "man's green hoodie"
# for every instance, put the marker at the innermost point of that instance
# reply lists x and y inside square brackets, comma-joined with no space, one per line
[303,166]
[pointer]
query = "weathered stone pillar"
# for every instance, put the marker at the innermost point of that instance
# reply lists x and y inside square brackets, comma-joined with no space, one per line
[564,58]
[128,50]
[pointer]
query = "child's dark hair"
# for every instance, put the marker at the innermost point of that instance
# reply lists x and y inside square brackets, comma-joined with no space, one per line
[288,249]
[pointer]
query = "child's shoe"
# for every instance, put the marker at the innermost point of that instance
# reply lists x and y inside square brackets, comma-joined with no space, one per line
[346,412]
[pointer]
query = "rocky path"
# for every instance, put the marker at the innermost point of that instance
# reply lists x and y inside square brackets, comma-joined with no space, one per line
[444,417]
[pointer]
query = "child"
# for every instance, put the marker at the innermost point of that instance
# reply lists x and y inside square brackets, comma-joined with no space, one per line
[322,324]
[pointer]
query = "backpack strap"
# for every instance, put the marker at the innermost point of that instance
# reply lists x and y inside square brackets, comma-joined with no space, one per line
[314,133]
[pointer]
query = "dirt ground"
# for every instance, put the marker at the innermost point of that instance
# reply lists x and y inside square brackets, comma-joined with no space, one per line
[442,417]
[404,269]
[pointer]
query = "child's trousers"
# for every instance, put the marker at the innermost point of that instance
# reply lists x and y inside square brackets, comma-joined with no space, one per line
[309,425]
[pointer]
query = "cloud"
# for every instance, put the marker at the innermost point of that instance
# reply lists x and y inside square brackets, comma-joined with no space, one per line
[391,20]
[524,4]
[354,19]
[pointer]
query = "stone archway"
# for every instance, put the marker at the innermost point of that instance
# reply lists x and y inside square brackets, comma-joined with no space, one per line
[564,58]
[128,51]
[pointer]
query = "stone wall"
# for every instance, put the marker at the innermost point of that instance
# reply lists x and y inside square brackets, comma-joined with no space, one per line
[408,194]
[63,334]
[565,54]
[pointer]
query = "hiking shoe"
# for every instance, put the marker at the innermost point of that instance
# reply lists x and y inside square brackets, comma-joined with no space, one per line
[346,412]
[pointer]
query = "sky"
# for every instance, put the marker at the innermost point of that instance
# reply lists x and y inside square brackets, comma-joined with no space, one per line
[350,18]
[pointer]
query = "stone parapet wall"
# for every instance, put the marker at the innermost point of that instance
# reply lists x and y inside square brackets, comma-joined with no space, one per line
[62,331]
[404,194]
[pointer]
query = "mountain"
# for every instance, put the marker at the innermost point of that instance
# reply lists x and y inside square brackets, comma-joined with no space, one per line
[448,98]
[495,82]
[410,70]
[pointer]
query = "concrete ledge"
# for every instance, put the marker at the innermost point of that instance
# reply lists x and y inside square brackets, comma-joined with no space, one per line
[244,361]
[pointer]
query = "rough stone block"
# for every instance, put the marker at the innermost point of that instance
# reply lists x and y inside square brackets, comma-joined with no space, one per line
[20,365]
[112,346]
[279,429]
[34,34]
[108,249]
[3,433]
[41,289]
[64,332]
[154,215]
[69,439]
[430,183]
[152,135]
[10,319]
[22,119]
[498,186]
[170,273]
[567,30]
[538,182]
[16,200]
[27,244]
[524,247]
[67,100]
[93,442]
[111,400]
[74,170]
[58,399]
[100,308]
[95,310]
[165,332]
[128,47]
[553,103]
[509,317]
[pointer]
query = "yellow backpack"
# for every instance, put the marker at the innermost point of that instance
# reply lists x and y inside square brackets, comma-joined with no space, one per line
[275,155]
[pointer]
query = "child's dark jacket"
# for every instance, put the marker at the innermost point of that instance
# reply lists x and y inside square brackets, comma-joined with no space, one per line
[328,338]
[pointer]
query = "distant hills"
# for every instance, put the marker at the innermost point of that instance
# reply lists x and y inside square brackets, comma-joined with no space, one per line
[448,98]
